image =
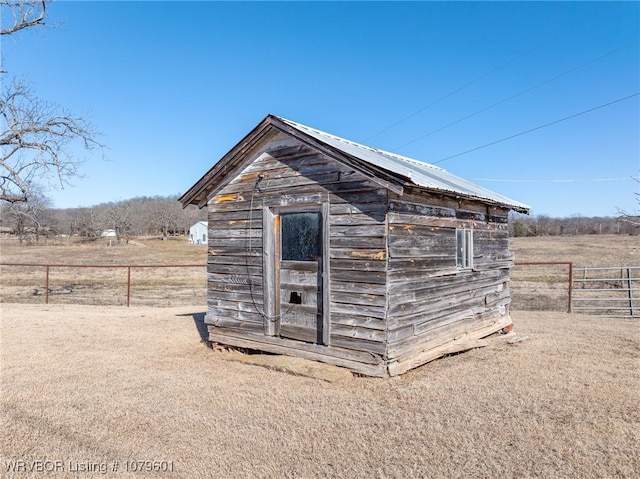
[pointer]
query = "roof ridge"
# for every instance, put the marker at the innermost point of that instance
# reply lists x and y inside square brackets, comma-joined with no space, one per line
[360,145]
[416,172]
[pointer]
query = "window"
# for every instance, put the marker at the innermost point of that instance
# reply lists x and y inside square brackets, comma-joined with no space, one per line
[300,236]
[464,248]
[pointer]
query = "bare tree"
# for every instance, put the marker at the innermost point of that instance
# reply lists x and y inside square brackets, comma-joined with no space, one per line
[36,137]
[163,215]
[35,142]
[630,218]
[118,216]
[87,222]
[21,14]
[30,221]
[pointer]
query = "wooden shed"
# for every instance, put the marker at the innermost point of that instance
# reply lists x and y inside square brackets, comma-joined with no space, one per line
[330,250]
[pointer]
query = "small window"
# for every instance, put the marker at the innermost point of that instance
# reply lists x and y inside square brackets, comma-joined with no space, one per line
[464,248]
[300,236]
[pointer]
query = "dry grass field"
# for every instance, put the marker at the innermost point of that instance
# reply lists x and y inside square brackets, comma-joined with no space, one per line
[546,287]
[587,250]
[86,388]
[534,287]
[105,286]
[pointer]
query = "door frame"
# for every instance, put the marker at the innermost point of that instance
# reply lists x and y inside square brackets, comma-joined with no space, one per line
[271,209]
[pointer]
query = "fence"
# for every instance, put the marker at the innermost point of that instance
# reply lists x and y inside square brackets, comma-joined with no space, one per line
[607,292]
[612,292]
[543,285]
[70,285]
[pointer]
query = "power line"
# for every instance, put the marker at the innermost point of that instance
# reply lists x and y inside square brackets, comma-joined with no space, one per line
[435,102]
[537,128]
[587,180]
[527,90]
[476,80]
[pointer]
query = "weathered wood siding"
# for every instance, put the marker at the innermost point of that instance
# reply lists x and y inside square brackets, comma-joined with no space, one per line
[430,300]
[357,245]
[394,289]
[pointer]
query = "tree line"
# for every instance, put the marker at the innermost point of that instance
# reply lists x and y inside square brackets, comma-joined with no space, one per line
[35,221]
[544,225]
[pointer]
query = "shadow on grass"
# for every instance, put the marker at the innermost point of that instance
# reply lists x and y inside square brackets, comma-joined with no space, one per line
[198,320]
[201,326]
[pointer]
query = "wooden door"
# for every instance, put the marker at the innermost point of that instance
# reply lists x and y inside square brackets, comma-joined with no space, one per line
[299,279]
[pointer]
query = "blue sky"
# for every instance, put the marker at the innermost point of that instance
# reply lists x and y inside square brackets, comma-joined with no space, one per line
[173,86]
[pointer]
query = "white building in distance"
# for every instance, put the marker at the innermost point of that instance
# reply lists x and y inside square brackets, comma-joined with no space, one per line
[198,233]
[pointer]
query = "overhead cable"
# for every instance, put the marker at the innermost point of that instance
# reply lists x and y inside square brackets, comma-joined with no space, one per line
[537,128]
[527,90]
[468,84]
[585,180]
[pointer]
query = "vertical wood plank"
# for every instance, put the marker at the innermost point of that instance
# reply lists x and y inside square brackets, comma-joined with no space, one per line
[268,269]
[326,273]
[277,255]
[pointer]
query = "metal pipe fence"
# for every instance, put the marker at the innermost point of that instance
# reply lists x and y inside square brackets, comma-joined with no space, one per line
[610,292]
[127,267]
[602,291]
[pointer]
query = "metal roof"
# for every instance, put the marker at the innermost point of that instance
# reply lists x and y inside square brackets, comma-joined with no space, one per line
[373,162]
[416,172]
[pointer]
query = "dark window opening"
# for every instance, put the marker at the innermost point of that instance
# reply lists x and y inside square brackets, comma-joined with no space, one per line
[295,298]
[300,236]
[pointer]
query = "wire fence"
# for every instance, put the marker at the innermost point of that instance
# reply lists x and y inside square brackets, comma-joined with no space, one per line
[542,286]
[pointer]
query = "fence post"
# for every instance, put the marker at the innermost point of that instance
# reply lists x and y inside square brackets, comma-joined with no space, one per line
[46,286]
[128,286]
[630,286]
[569,302]
[116,266]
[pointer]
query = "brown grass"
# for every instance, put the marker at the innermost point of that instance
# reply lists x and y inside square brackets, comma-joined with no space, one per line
[105,286]
[84,385]
[588,250]
[546,287]
[93,385]
[534,287]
